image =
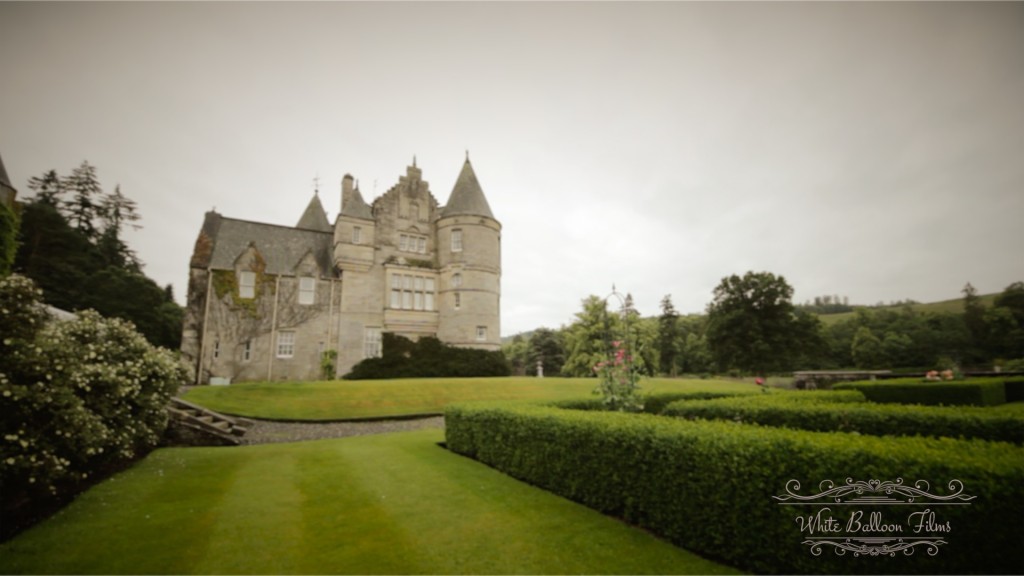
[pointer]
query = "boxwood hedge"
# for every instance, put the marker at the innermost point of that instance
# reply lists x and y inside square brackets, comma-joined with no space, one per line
[709,485]
[1014,389]
[865,418]
[978,392]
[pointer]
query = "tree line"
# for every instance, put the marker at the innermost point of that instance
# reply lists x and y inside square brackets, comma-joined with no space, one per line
[752,326]
[71,244]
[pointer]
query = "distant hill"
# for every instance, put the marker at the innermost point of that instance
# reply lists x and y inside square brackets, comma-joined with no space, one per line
[953,305]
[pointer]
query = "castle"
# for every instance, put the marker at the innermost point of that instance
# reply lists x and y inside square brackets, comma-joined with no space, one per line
[269,302]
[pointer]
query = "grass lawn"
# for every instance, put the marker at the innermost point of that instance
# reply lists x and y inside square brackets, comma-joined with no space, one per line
[390,504]
[344,399]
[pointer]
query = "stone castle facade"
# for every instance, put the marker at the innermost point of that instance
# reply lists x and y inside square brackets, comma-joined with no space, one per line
[269,302]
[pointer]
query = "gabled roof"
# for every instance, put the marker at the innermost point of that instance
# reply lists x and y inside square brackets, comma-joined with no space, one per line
[467,197]
[281,247]
[314,218]
[355,206]
[4,180]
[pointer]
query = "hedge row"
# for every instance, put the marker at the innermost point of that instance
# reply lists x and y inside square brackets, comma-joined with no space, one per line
[865,418]
[1014,389]
[708,486]
[980,392]
[428,357]
[657,402]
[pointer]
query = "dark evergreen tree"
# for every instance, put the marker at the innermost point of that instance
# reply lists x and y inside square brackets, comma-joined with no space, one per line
[668,336]
[84,207]
[76,269]
[49,188]
[546,346]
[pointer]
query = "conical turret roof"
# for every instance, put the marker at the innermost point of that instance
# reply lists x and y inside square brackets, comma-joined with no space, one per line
[354,205]
[3,175]
[314,218]
[467,197]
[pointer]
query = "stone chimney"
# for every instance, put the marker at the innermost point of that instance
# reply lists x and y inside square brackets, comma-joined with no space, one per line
[346,190]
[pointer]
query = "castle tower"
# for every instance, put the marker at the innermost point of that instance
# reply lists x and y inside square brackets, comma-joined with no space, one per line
[469,263]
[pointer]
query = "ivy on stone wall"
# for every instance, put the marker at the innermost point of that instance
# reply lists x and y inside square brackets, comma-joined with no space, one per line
[8,238]
[225,282]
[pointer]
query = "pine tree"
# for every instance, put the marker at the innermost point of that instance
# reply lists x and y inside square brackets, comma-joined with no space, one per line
[115,211]
[668,335]
[84,207]
[49,188]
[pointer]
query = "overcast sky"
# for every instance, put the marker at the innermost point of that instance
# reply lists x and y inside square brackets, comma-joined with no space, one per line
[871,150]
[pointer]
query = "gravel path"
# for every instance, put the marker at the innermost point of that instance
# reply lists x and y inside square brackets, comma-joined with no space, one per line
[266,432]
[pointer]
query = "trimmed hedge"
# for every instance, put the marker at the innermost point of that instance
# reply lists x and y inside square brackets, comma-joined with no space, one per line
[980,392]
[653,403]
[1014,389]
[865,418]
[709,485]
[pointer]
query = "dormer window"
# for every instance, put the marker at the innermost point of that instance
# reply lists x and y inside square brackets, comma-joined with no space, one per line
[246,284]
[307,290]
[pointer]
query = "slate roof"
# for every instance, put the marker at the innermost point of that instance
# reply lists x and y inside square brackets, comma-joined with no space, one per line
[356,207]
[467,196]
[3,174]
[282,247]
[314,218]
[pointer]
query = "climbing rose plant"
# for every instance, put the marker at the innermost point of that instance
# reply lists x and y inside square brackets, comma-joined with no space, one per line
[76,395]
[618,381]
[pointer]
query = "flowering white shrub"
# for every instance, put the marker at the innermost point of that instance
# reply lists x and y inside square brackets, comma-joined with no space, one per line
[75,395]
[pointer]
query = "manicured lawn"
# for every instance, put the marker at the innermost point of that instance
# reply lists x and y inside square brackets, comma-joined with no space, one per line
[342,399]
[393,504]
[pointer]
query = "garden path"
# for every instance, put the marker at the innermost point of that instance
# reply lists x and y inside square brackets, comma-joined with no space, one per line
[267,432]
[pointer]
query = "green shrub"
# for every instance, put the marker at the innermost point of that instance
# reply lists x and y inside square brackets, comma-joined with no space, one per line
[863,418]
[428,357]
[75,396]
[1014,389]
[978,392]
[709,485]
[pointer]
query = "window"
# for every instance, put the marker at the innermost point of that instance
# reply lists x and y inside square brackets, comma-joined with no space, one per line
[410,292]
[357,235]
[216,349]
[410,243]
[481,332]
[458,300]
[246,284]
[285,344]
[371,343]
[396,291]
[457,240]
[407,292]
[457,280]
[307,290]
[247,351]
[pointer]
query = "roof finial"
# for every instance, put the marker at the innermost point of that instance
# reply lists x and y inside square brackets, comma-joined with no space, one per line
[316,184]
[467,154]
[413,160]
